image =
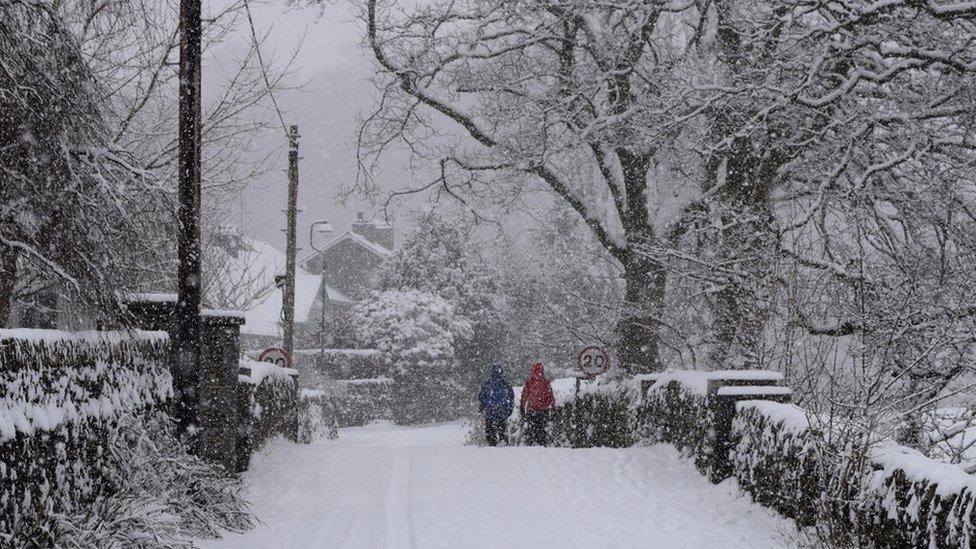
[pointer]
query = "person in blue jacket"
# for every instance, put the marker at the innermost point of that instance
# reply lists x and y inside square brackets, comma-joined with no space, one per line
[497,399]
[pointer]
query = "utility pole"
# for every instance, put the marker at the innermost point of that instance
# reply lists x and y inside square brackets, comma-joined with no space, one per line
[288,302]
[187,370]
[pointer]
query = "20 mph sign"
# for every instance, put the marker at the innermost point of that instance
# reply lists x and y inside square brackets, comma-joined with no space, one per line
[594,360]
[276,356]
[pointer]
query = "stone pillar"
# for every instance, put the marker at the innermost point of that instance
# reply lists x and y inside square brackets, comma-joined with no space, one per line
[725,389]
[218,417]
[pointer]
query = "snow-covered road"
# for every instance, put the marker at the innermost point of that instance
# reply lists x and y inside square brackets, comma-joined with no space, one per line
[393,487]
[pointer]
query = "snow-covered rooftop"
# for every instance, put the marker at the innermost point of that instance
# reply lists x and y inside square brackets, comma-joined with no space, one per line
[366,243]
[265,261]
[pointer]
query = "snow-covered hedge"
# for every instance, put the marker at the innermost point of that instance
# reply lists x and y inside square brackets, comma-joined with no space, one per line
[318,365]
[62,396]
[353,402]
[267,403]
[776,460]
[893,497]
[910,500]
[604,414]
[674,410]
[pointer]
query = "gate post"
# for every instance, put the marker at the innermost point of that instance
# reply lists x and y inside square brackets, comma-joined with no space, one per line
[216,417]
[220,359]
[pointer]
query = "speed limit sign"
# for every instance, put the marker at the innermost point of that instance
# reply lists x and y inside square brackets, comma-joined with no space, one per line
[276,356]
[594,360]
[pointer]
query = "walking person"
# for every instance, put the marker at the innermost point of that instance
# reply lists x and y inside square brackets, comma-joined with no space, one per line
[536,405]
[497,399]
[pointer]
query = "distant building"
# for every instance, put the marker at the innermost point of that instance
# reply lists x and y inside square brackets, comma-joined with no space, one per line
[352,259]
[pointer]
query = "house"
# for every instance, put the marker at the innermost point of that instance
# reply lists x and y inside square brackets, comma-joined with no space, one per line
[240,275]
[351,259]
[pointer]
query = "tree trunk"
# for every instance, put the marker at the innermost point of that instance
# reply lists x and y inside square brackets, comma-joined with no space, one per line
[8,278]
[741,308]
[638,330]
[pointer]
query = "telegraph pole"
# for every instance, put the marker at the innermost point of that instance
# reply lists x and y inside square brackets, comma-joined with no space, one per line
[288,302]
[187,370]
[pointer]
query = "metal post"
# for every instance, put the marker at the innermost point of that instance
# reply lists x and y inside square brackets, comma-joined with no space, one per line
[188,303]
[288,302]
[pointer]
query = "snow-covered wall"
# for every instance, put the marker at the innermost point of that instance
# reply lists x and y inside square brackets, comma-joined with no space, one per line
[61,397]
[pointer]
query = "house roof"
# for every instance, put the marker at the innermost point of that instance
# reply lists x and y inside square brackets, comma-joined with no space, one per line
[263,317]
[379,250]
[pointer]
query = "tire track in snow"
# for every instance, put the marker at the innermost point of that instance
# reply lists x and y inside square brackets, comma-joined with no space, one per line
[399,523]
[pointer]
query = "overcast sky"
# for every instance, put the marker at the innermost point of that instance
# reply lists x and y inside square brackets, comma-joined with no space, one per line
[335,72]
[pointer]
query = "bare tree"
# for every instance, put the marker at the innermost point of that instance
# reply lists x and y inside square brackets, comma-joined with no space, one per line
[130,48]
[546,92]
[64,191]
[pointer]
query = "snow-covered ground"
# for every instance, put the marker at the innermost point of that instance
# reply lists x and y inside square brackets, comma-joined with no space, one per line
[388,486]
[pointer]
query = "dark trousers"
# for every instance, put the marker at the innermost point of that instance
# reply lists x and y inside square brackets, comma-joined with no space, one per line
[538,424]
[495,430]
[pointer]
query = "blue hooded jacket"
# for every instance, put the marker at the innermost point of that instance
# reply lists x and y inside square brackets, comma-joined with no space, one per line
[497,397]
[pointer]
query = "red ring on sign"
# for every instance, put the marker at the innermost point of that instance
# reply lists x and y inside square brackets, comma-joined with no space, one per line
[606,359]
[269,350]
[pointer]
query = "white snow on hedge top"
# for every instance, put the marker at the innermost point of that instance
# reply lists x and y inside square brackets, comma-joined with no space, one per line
[261,370]
[694,381]
[753,390]
[790,416]
[890,456]
[90,336]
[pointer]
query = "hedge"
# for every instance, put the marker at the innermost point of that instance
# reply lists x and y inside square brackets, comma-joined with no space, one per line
[676,412]
[267,406]
[317,366]
[62,397]
[777,460]
[604,414]
[881,495]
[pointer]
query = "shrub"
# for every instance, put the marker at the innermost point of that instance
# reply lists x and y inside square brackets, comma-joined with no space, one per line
[886,495]
[351,402]
[675,411]
[165,499]
[602,415]
[909,500]
[318,367]
[776,461]
[62,398]
[267,404]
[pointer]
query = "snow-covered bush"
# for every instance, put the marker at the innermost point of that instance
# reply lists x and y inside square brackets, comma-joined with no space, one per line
[62,398]
[675,411]
[604,414]
[353,402]
[317,367]
[267,401]
[164,497]
[909,500]
[416,332]
[777,460]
